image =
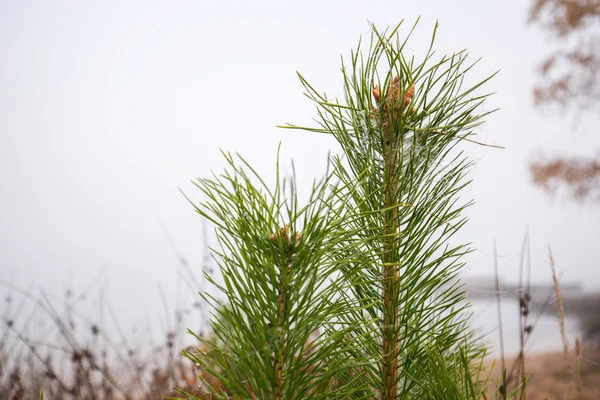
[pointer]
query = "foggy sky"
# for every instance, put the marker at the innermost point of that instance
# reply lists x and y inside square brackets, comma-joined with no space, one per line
[108,108]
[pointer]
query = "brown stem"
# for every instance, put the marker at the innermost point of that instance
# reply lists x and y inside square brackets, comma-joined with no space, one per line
[391,278]
[281,337]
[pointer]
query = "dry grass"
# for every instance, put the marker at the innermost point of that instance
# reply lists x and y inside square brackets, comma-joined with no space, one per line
[561,376]
[550,380]
[74,347]
[60,349]
[54,344]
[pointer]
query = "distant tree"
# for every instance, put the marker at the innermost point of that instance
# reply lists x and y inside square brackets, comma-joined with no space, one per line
[569,79]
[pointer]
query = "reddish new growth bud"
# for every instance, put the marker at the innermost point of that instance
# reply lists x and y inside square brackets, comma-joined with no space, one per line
[408,95]
[376,93]
[284,233]
[393,96]
[395,103]
[393,92]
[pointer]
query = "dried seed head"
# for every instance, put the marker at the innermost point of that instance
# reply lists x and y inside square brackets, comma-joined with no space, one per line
[86,353]
[76,356]
[50,374]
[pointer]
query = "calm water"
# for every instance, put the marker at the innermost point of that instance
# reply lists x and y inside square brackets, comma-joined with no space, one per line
[546,334]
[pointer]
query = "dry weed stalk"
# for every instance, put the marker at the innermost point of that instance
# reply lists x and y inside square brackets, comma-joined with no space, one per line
[561,311]
[578,367]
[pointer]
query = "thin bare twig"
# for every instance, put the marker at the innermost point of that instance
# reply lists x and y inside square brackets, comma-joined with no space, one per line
[503,360]
[561,311]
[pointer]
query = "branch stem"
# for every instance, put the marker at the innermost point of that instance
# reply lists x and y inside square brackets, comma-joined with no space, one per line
[390,270]
[281,337]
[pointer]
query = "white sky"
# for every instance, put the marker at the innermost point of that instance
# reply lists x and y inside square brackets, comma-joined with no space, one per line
[108,107]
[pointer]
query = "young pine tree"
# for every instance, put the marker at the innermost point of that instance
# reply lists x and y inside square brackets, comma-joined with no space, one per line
[355,294]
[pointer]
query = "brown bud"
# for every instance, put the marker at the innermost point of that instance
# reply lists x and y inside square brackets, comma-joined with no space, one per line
[393,94]
[409,94]
[373,112]
[376,93]
[285,234]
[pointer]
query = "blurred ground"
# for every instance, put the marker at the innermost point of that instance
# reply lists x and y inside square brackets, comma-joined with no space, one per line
[552,379]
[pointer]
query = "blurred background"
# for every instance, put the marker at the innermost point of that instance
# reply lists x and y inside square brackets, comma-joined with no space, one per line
[109,109]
